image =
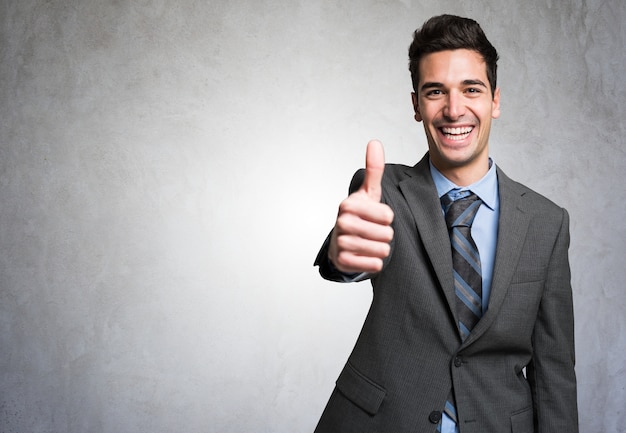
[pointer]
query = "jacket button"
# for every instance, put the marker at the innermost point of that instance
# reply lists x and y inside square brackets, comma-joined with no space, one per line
[434,417]
[458,361]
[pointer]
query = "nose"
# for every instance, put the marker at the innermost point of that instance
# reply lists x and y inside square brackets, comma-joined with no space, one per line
[454,108]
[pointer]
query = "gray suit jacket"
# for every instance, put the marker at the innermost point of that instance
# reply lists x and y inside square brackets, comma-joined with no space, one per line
[514,373]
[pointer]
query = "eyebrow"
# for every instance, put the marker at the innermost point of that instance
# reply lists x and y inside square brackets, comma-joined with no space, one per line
[436,85]
[474,83]
[431,85]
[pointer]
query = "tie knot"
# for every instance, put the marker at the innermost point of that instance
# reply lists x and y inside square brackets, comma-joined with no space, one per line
[460,212]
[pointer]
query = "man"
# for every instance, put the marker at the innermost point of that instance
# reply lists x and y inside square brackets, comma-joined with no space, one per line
[471,324]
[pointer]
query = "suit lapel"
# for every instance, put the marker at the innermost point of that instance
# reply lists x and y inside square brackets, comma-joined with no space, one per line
[512,229]
[421,195]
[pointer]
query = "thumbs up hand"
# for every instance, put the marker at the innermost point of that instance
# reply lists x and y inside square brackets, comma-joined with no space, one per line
[362,233]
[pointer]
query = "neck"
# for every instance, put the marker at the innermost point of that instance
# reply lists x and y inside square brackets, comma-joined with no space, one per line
[464,175]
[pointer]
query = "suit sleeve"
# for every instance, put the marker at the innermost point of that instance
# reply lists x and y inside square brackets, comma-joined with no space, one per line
[551,372]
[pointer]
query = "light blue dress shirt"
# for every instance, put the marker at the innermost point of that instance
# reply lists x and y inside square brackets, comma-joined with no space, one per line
[484,233]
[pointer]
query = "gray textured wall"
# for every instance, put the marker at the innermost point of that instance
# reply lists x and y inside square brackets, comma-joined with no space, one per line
[169,169]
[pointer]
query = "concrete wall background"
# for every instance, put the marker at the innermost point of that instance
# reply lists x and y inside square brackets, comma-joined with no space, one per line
[169,169]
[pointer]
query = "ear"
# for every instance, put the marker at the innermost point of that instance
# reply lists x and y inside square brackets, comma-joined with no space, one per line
[495,107]
[416,108]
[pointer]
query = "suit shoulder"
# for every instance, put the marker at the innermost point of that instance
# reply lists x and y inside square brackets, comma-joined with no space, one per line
[396,172]
[534,201]
[393,174]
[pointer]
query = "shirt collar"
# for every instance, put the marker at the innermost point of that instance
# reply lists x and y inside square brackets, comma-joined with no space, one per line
[486,188]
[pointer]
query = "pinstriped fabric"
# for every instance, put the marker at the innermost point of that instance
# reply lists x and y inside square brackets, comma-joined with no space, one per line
[460,215]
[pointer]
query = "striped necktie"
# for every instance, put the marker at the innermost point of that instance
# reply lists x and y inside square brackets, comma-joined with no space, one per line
[460,215]
[465,259]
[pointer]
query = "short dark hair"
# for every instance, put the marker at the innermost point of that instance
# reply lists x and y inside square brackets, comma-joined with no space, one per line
[450,32]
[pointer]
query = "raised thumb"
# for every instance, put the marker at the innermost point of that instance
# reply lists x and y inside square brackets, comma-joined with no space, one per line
[374,169]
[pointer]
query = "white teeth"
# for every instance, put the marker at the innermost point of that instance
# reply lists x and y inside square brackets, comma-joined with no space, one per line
[457,133]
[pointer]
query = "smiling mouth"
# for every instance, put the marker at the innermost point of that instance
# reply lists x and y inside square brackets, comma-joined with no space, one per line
[457,134]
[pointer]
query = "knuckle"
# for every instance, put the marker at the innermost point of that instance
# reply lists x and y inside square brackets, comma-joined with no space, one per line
[390,233]
[343,259]
[377,265]
[342,243]
[389,215]
[345,223]
[344,206]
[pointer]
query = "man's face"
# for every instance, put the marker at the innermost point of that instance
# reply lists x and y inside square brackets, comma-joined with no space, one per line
[455,102]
